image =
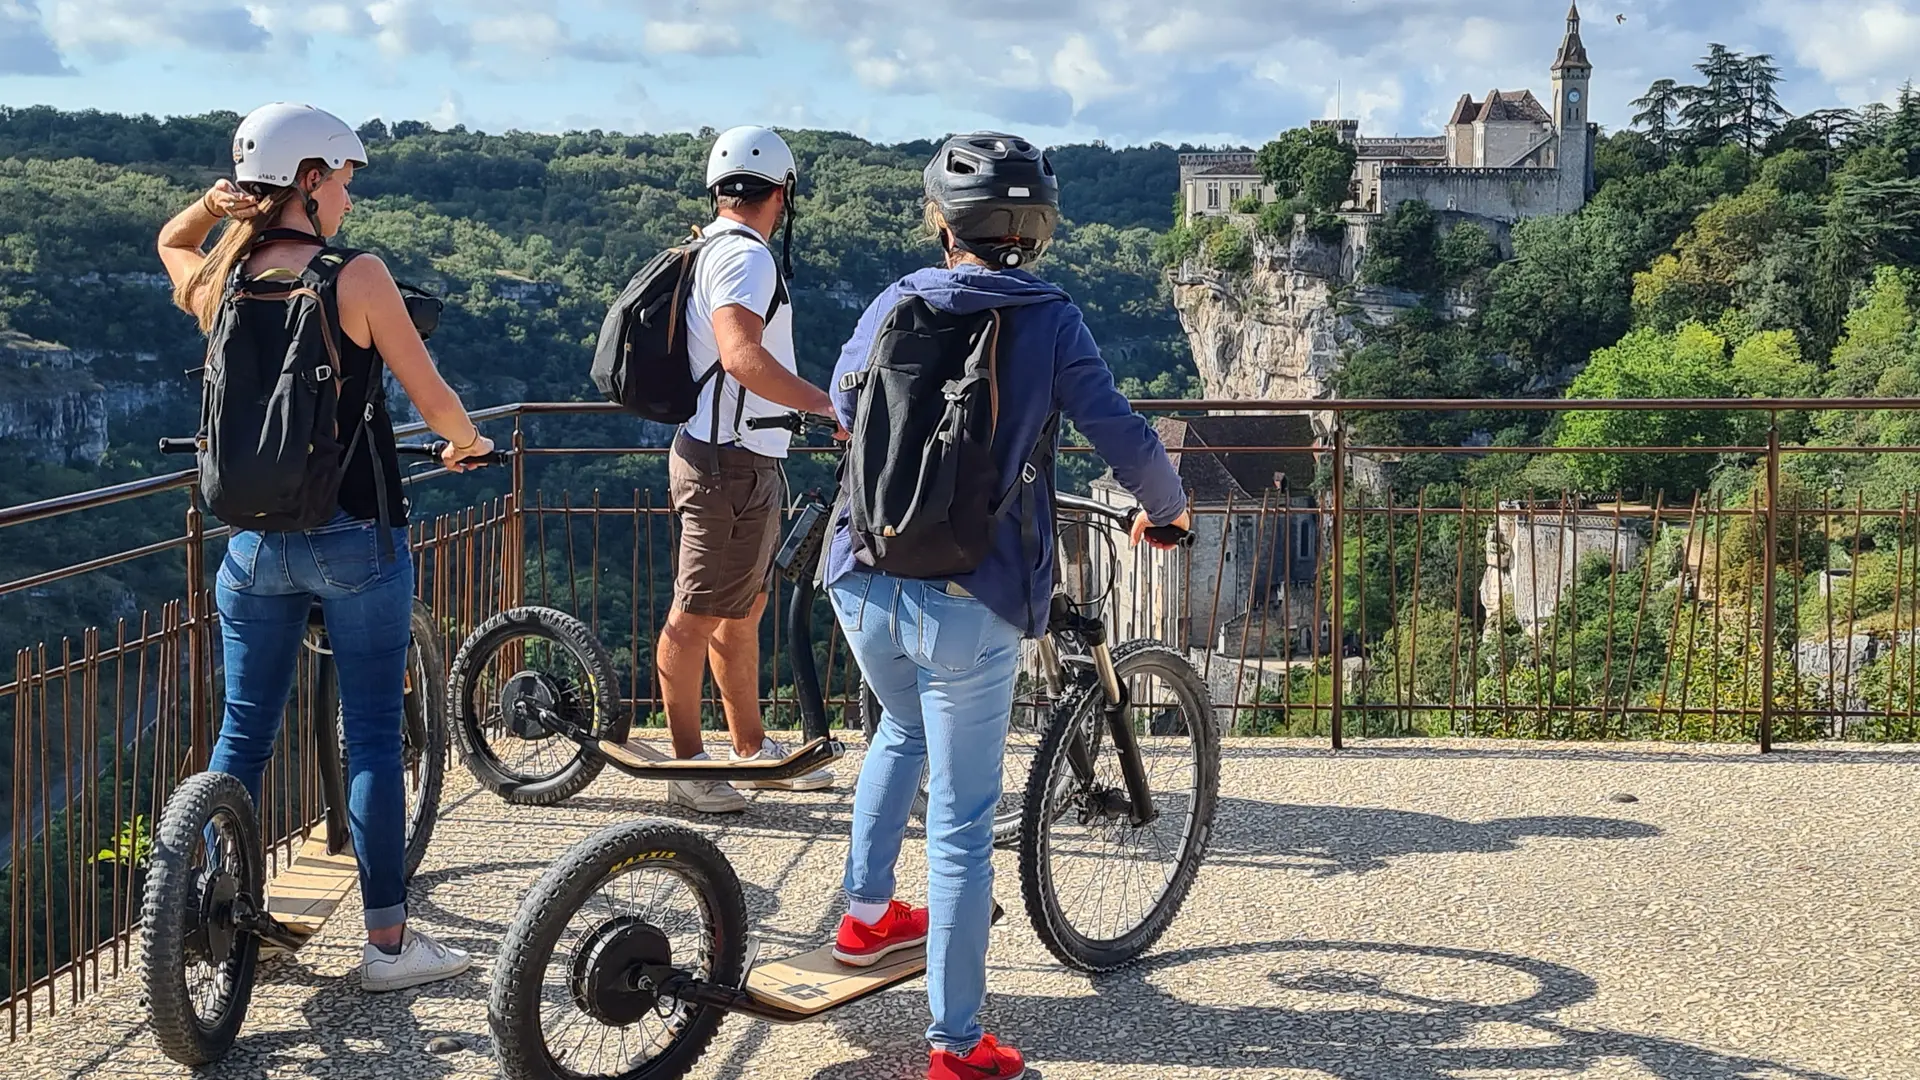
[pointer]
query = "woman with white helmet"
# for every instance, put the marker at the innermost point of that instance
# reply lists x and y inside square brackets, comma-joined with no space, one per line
[292,166]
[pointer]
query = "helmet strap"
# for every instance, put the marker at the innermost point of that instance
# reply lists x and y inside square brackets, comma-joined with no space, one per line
[788,211]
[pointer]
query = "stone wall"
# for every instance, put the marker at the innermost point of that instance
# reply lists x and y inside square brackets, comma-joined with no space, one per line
[1501,194]
[1534,557]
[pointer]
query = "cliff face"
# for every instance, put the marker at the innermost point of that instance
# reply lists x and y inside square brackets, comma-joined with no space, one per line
[1280,329]
[54,408]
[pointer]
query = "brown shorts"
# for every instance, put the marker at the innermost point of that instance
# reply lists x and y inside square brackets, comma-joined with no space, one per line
[729,526]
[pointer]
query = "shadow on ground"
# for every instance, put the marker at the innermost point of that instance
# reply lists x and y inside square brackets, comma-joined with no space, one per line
[1329,840]
[1352,1010]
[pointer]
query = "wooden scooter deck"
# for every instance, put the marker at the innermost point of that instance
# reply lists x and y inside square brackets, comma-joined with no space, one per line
[642,755]
[305,894]
[813,982]
[809,984]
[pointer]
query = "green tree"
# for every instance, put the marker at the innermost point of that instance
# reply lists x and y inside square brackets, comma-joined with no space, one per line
[1308,164]
[1688,363]
[1659,112]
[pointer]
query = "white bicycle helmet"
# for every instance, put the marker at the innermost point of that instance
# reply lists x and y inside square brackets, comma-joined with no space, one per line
[750,153]
[273,140]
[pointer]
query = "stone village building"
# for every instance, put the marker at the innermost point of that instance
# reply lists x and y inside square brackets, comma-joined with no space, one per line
[1507,157]
[1246,586]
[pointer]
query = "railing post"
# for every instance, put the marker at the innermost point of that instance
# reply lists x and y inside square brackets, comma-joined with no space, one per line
[1338,615]
[198,670]
[1769,568]
[513,584]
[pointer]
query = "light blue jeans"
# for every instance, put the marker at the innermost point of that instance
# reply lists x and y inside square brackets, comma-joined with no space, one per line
[266,585]
[943,667]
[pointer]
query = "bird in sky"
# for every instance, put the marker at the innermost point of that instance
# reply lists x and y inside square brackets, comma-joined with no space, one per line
[1619,18]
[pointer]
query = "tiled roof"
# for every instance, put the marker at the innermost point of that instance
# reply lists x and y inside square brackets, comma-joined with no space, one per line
[1508,106]
[1573,52]
[1243,474]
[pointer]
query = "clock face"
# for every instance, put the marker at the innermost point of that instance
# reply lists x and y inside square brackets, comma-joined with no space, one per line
[1573,96]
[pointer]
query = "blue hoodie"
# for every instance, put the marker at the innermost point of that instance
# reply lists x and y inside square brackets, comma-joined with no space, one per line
[1049,363]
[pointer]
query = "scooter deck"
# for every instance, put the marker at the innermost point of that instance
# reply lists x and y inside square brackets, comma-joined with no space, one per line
[304,895]
[640,755]
[809,984]
[813,982]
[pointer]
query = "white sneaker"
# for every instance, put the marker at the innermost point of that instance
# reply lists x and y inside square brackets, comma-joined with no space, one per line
[705,796]
[421,960]
[771,750]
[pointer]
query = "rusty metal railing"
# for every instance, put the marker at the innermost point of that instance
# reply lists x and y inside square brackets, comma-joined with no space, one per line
[1336,606]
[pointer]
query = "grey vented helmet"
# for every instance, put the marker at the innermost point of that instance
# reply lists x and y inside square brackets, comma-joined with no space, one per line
[998,194]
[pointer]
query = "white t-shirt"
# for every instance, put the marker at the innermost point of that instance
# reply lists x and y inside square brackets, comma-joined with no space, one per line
[734,268]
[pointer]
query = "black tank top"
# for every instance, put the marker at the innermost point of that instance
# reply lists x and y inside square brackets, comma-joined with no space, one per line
[359,495]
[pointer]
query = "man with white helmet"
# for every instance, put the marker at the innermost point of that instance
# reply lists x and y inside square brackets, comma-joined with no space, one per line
[725,479]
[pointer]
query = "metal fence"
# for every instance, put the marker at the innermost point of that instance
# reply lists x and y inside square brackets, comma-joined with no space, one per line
[1338,606]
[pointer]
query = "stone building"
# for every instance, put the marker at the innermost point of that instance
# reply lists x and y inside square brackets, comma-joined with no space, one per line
[1246,586]
[1535,550]
[1506,157]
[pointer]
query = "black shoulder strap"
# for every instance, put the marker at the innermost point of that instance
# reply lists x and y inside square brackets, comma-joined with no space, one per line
[715,373]
[324,273]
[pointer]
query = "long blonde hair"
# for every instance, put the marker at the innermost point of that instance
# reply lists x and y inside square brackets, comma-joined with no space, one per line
[201,293]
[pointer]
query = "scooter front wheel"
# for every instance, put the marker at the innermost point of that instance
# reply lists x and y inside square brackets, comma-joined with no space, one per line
[204,883]
[582,986]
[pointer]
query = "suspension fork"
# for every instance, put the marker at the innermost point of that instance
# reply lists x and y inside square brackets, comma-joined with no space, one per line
[1114,705]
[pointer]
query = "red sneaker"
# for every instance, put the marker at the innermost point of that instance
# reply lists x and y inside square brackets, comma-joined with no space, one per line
[902,927]
[987,1061]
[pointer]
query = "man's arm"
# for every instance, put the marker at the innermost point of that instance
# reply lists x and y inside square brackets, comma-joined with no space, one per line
[736,331]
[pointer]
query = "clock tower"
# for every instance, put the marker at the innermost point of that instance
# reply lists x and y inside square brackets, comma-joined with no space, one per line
[1573,155]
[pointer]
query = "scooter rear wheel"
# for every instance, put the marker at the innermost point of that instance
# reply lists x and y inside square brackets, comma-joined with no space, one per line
[576,991]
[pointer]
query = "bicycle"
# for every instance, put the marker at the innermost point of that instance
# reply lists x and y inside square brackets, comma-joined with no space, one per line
[206,916]
[629,963]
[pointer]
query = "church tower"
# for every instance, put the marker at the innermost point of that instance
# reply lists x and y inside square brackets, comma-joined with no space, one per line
[1573,157]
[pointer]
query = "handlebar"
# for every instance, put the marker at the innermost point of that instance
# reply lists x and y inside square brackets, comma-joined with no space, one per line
[1159,534]
[431,450]
[800,423]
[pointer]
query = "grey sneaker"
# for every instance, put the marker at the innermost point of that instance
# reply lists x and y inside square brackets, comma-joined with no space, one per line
[771,750]
[421,960]
[705,796]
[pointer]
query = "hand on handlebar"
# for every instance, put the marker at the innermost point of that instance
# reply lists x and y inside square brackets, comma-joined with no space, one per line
[1155,536]
[457,459]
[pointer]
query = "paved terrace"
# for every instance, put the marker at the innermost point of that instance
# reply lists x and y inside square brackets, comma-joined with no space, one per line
[1402,911]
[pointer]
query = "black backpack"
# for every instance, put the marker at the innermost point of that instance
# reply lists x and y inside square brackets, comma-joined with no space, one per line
[271,453]
[923,494]
[640,360]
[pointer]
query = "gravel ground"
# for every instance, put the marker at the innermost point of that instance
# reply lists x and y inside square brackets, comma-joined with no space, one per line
[1402,911]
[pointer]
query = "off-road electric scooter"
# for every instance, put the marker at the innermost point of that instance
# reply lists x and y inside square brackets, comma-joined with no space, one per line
[625,956]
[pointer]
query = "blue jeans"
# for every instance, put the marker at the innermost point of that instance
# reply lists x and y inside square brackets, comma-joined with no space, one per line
[266,585]
[943,667]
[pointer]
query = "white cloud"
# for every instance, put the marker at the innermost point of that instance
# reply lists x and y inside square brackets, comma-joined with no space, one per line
[109,28]
[25,48]
[1077,69]
[1869,48]
[693,38]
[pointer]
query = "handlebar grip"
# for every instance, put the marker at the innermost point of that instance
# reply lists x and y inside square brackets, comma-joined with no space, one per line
[179,446]
[1171,535]
[762,423]
[435,449]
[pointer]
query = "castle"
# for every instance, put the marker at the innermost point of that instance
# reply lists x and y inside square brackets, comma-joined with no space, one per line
[1505,158]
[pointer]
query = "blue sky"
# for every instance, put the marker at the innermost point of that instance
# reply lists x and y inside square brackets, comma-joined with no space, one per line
[1126,71]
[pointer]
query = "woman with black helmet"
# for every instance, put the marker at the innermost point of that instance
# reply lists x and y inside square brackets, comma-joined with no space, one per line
[941,655]
[292,165]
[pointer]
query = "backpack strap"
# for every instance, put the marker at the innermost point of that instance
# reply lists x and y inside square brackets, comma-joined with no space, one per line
[323,273]
[715,373]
